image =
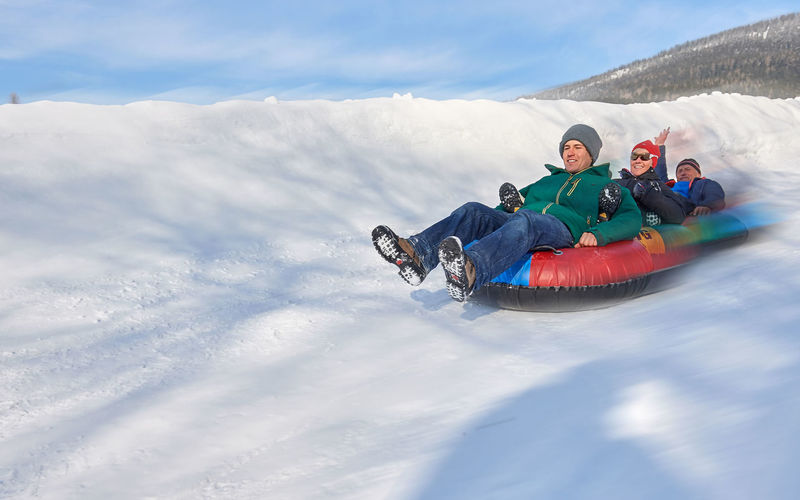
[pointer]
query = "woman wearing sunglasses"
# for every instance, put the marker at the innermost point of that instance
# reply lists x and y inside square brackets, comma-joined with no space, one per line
[657,202]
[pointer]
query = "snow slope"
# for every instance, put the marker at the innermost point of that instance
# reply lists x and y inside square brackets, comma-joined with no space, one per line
[192,308]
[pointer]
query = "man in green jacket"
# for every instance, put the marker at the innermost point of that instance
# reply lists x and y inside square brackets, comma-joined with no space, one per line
[560,210]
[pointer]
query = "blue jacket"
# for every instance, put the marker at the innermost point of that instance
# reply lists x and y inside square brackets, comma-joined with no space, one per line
[701,191]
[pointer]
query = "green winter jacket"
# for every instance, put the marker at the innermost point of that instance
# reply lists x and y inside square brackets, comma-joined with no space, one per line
[573,199]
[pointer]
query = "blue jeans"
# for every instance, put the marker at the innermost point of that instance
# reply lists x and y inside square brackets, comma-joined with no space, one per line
[503,238]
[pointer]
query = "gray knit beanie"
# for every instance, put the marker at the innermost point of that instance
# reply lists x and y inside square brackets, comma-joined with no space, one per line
[586,135]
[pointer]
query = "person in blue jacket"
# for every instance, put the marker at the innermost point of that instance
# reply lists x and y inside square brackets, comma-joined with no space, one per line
[707,195]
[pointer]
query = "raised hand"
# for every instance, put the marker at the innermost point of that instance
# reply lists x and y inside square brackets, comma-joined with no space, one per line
[661,138]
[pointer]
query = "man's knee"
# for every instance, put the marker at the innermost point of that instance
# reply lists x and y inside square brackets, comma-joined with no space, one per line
[472,207]
[529,216]
[530,220]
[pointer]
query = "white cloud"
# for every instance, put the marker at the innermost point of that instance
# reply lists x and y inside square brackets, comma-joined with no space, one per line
[350,44]
[142,38]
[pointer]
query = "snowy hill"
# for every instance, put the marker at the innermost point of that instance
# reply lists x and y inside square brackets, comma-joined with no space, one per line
[192,308]
[760,59]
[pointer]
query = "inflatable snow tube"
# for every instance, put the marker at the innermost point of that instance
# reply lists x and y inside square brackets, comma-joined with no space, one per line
[575,279]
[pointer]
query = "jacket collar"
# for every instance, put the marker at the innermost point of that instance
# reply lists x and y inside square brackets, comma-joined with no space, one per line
[695,179]
[647,175]
[603,170]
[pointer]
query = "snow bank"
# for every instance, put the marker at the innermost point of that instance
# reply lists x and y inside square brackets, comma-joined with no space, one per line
[192,308]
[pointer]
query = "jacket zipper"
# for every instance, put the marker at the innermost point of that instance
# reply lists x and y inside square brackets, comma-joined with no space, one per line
[573,187]
[558,195]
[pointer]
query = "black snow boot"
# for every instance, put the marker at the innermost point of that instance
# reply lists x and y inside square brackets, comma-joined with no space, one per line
[458,269]
[608,201]
[510,198]
[398,251]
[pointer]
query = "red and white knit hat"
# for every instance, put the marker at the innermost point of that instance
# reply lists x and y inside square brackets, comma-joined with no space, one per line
[651,148]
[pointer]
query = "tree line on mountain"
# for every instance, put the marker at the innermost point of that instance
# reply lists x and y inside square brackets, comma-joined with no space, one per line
[758,59]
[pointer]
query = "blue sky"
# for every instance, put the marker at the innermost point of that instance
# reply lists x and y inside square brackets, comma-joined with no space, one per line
[202,52]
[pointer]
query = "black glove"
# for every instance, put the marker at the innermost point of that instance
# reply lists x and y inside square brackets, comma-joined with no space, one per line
[510,198]
[641,189]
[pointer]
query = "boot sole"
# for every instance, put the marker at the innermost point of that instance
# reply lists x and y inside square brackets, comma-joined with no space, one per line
[453,261]
[510,197]
[385,242]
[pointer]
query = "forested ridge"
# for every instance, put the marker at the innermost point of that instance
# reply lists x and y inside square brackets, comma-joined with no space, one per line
[760,59]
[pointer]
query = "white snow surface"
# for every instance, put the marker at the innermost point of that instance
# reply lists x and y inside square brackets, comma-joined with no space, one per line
[192,308]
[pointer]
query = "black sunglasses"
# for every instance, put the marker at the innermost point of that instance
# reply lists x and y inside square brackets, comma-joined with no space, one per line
[643,156]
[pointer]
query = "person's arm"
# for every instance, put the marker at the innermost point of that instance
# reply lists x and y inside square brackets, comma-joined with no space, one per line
[661,166]
[712,198]
[671,207]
